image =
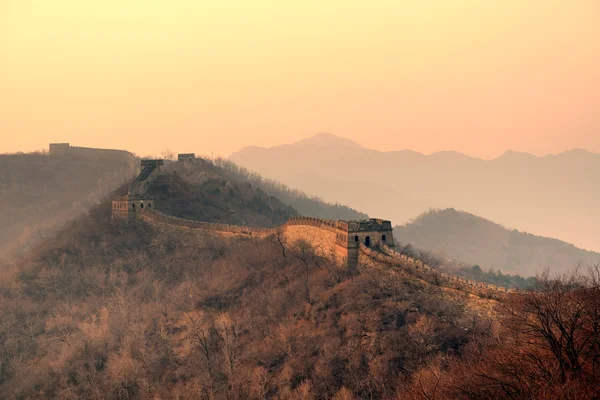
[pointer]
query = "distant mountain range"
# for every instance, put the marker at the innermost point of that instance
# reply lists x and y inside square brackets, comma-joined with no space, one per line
[470,239]
[554,196]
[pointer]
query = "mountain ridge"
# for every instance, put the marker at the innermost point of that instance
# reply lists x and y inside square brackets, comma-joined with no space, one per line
[474,240]
[325,139]
[552,196]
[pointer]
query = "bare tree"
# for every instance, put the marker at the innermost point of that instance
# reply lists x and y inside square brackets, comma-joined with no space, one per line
[280,240]
[560,316]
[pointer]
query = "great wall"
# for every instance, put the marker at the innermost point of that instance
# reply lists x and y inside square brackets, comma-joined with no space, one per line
[365,243]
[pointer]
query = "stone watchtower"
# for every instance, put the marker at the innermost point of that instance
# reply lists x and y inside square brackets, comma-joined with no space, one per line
[56,149]
[371,233]
[186,157]
[127,207]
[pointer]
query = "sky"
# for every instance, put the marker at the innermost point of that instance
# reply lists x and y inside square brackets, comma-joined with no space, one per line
[212,76]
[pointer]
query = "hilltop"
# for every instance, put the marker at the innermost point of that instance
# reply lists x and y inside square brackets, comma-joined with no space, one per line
[40,192]
[204,193]
[476,241]
[553,196]
[220,191]
[313,206]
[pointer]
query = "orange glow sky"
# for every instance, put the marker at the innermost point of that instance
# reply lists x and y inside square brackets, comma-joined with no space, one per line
[474,76]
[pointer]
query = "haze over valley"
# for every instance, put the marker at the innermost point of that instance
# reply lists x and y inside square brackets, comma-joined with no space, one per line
[554,196]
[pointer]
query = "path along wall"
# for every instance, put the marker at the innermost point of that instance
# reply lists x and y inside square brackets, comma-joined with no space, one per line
[328,238]
[389,257]
[156,217]
[323,235]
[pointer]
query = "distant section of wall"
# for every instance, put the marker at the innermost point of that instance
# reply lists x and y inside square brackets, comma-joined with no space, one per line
[58,148]
[55,149]
[149,173]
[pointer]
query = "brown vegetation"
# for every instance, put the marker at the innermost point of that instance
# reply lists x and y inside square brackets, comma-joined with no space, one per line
[115,311]
[547,346]
[108,310]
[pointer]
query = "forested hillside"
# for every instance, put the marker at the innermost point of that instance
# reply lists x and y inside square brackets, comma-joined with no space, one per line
[309,206]
[477,241]
[109,311]
[39,192]
[112,310]
[203,192]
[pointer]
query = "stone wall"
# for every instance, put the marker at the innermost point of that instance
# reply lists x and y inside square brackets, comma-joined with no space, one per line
[324,241]
[392,258]
[127,207]
[320,233]
[146,177]
[324,236]
[66,148]
[154,217]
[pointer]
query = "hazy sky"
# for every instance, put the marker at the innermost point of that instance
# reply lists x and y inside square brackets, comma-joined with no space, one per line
[475,76]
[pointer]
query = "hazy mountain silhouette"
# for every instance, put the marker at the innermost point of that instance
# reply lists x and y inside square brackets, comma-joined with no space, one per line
[475,240]
[554,195]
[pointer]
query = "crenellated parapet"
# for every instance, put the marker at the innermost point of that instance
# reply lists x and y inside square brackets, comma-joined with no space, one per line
[321,223]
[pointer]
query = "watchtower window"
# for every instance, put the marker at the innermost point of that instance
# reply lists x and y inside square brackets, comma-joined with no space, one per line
[368,241]
[142,205]
[383,238]
[150,205]
[356,238]
[132,205]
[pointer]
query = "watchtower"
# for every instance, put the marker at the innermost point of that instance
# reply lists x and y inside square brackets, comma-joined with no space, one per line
[186,157]
[371,233]
[127,207]
[152,163]
[58,148]
[137,200]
